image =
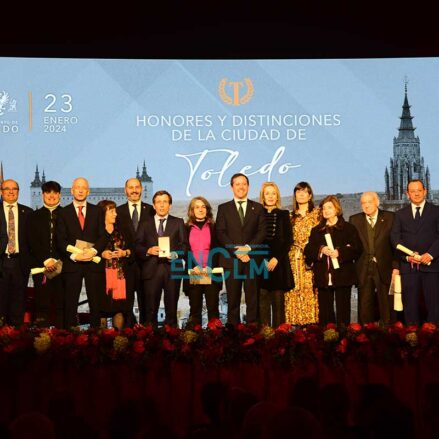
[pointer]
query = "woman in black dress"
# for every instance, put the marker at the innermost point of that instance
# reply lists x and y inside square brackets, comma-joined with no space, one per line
[334,269]
[278,277]
[117,299]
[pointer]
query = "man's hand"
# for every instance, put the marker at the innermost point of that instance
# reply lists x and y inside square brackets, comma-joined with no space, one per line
[413,259]
[153,251]
[84,257]
[425,259]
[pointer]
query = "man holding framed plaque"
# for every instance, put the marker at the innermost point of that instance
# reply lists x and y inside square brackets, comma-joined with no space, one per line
[160,243]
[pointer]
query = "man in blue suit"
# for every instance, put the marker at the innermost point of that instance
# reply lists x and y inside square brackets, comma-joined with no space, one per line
[417,227]
[159,272]
[241,231]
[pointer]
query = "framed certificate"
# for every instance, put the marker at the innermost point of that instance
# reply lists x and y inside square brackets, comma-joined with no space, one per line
[165,247]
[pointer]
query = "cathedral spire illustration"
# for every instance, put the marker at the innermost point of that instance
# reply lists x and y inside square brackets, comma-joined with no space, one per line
[407,163]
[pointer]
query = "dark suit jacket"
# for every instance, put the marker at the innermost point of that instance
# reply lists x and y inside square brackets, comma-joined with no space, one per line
[38,229]
[147,237]
[23,214]
[384,252]
[68,230]
[3,235]
[231,233]
[124,218]
[346,240]
[421,236]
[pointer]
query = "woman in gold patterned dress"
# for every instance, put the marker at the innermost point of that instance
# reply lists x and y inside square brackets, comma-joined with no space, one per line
[301,304]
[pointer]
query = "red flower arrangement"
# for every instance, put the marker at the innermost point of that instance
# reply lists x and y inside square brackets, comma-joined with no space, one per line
[219,344]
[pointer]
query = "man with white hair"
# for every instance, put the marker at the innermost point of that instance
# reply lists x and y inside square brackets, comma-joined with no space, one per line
[378,263]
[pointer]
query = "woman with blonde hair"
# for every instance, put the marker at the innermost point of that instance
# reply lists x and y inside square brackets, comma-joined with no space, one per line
[278,277]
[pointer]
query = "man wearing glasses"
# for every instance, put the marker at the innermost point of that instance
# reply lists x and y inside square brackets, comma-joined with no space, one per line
[13,255]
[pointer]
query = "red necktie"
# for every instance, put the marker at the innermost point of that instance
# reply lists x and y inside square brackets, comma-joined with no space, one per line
[81,217]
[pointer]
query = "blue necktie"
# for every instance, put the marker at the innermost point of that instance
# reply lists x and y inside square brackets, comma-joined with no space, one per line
[161,231]
[135,217]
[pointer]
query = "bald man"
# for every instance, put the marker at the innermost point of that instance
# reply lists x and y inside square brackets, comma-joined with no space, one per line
[13,254]
[378,262]
[129,216]
[83,221]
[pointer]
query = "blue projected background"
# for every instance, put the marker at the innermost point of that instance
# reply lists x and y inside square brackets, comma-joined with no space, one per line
[195,123]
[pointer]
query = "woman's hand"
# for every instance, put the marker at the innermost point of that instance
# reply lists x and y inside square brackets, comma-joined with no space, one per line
[272,263]
[107,254]
[328,252]
[119,253]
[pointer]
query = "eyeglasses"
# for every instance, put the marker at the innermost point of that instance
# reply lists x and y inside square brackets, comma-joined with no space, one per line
[10,189]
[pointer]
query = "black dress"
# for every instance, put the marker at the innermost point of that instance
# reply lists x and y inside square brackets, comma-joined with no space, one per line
[109,305]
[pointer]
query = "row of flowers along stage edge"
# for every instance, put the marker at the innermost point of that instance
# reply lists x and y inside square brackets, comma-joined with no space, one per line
[222,345]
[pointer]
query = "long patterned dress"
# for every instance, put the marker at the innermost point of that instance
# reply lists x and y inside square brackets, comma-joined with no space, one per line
[301,304]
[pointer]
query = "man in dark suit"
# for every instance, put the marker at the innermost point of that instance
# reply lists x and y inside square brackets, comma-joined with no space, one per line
[378,263]
[44,253]
[416,227]
[161,272]
[129,216]
[82,221]
[14,255]
[241,230]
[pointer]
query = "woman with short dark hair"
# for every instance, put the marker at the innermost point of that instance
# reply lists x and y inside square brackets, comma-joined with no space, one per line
[118,298]
[333,247]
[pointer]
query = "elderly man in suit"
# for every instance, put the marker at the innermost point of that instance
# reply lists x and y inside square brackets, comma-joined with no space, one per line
[81,221]
[416,227]
[378,263]
[13,254]
[241,230]
[129,216]
[44,253]
[161,272]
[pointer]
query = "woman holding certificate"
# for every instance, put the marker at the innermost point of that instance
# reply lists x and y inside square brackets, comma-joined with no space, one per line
[117,300]
[333,247]
[279,238]
[200,261]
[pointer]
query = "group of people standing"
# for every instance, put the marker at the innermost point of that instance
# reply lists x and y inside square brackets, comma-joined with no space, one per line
[293,267]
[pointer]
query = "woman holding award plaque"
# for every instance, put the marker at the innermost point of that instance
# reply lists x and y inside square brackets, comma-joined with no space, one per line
[200,261]
[279,277]
[117,299]
[333,247]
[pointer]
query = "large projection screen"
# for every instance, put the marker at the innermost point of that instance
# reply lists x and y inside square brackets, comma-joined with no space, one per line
[195,123]
[187,126]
